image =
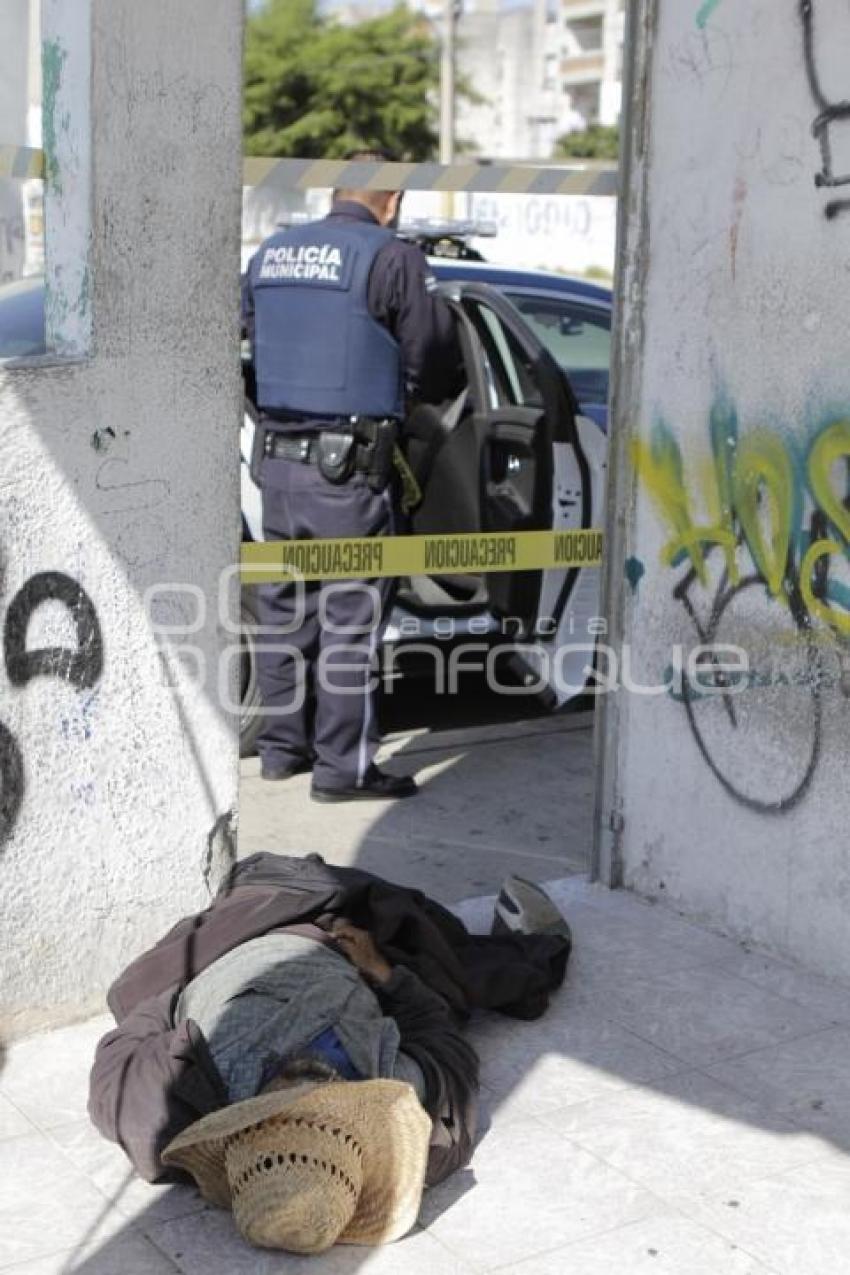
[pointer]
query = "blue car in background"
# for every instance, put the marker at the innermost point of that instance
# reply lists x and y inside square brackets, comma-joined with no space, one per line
[22,318]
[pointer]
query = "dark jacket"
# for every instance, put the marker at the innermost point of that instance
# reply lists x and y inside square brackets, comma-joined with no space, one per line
[150,1079]
[318,351]
[402,296]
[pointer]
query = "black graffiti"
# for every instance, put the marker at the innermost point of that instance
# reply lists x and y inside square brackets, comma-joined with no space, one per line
[11,782]
[835,207]
[727,596]
[812,678]
[81,666]
[829,112]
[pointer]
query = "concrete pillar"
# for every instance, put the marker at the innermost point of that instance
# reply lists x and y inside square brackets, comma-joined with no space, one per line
[725,793]
[119,518]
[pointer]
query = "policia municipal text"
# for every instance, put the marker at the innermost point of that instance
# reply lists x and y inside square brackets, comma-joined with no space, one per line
[346,327]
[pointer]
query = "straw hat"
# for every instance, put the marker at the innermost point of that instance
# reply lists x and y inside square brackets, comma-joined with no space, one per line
[308,1167]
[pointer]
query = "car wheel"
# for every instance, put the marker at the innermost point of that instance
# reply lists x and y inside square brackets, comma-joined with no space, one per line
[251,711]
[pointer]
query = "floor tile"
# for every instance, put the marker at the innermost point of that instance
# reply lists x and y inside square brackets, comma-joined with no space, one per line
[528,1191]
[209,1244]
[47,1076]
[828,998]
[126,1254]
[703,1015]
[687,1134]
[806,1080]
[613,949]
[110,1170]
[668,1244]
[553,1062]
[46,1205]
[797,1223]
[686,942]
[13,1123]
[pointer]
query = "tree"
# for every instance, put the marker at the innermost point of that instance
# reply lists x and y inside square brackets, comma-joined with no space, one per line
[317,89]
[599,141]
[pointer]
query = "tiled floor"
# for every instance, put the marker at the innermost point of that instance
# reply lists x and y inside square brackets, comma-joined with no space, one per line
[683,1109]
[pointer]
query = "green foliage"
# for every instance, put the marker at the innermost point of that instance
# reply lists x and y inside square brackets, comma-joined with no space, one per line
[317,89]
[599,141]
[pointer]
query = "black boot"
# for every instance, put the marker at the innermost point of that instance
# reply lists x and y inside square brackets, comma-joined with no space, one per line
[377,786]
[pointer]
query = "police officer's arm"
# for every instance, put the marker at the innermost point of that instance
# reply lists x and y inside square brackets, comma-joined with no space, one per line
[403,296]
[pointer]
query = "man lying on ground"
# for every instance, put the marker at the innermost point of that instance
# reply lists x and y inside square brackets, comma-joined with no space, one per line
[310,1009]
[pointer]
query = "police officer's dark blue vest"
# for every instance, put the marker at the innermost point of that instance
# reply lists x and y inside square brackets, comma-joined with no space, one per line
[317,349]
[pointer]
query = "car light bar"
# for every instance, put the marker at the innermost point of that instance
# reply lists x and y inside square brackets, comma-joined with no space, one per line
[443,228]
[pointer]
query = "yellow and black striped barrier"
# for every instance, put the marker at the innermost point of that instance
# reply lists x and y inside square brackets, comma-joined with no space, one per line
[513,179]
[377,556]
[23,162]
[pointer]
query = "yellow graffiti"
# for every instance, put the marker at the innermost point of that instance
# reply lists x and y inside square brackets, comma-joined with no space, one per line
[763,487]
[752,495]
[831,446]
[838,620]
[659,464]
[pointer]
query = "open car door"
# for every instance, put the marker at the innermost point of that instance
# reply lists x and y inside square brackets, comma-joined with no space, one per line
[512,457]
[489,462]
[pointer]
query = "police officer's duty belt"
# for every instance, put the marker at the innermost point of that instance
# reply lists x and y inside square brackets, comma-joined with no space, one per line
[286,447]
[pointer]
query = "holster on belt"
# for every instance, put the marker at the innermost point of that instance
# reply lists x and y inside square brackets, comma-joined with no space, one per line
[376,445]
[336,455]
[258,451]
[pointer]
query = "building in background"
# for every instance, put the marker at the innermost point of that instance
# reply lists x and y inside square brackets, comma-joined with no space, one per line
[543,69]
[591,64]
[538,70]
[532,87]
[509,57]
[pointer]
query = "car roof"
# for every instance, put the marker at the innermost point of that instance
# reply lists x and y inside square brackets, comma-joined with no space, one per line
[506,277]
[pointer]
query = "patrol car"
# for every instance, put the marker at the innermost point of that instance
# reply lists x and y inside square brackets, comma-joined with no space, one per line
[523,447]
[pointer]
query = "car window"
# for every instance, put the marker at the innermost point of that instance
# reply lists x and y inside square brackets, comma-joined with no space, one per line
[22,319]
[510,377]
[578,335]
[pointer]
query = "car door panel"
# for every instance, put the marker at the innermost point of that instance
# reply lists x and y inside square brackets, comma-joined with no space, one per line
[556,606]
[515,482]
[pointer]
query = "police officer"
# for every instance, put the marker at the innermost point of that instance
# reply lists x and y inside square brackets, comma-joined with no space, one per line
[346,326]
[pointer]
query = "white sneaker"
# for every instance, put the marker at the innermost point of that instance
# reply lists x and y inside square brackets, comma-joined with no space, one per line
[525,908]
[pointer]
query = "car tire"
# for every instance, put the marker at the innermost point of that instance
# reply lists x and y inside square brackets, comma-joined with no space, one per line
[251,704]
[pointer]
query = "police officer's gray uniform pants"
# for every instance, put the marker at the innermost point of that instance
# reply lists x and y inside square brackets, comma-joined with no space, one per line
[320,687]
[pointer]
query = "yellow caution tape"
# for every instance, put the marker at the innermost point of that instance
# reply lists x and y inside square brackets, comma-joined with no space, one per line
[591,178]
[376,556]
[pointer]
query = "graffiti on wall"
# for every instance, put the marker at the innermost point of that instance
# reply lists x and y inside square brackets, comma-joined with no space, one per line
[830,113]
[80,665]
[758,537]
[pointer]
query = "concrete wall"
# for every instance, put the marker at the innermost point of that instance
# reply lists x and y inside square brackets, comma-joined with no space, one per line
[118,763]
[729,517]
